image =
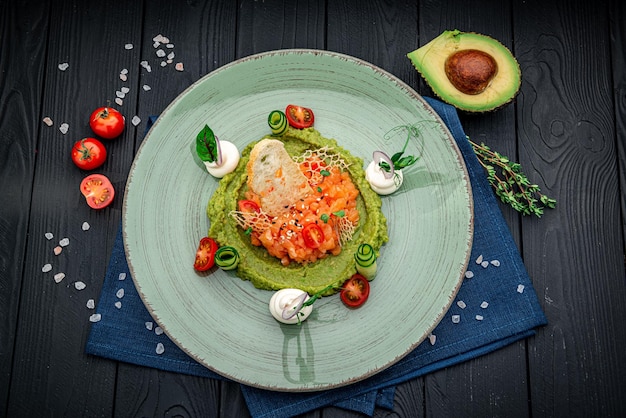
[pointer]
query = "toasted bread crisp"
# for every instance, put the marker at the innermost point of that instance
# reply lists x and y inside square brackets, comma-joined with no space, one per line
[275,177]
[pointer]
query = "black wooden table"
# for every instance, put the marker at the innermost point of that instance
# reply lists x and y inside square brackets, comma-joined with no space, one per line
[567,128]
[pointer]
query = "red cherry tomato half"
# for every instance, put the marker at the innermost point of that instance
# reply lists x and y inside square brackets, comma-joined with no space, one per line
[355,291]
[89,153]
[98,191]
[107,122]
[313,235]
[299,117]
[249,206]
[205,254]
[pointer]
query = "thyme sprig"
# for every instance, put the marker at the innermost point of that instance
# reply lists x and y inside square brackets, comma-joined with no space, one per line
[511,185]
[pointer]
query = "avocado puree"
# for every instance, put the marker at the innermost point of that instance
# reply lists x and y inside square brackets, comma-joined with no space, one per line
[265,271]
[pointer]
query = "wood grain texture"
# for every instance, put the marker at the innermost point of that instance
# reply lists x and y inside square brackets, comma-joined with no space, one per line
[21,68]
[567,139]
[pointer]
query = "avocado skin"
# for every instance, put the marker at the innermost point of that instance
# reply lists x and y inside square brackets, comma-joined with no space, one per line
[430,59]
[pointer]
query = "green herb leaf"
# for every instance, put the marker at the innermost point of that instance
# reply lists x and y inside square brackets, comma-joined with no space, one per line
[206,145]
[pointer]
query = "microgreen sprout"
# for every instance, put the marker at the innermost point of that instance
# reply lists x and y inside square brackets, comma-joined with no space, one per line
[399,160]
[512,185]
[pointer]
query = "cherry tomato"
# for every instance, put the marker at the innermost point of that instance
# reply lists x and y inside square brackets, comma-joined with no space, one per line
[89,153]
[98,191]
[299,117]
[313,235]
[107,122]
[355,291]
[205,254]
[249,206]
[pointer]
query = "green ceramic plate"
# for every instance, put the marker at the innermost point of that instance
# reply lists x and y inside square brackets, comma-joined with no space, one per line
[223,322]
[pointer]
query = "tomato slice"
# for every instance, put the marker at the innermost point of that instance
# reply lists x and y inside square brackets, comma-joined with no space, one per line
[98,191]
[205,254]
[355,291]
[313,235]
[299,117]
[249,206]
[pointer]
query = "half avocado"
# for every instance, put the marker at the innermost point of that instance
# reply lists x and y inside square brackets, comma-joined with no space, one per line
[470,71]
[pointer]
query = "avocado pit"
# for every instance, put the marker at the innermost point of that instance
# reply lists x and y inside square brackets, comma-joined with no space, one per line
[470,70]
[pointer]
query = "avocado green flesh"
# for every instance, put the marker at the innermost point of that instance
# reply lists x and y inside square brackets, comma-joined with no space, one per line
[430,61]
[266,271]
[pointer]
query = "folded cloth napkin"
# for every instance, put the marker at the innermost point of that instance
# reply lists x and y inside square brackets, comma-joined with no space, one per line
[495,306]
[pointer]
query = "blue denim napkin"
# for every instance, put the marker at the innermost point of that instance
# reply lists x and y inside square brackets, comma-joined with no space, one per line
[495,307]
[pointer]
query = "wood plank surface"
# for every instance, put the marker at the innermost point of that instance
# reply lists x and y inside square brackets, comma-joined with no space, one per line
[567,128]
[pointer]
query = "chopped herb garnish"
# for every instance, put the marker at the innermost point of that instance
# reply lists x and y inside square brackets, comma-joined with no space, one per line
[325,217]
[340,214]
[325,173]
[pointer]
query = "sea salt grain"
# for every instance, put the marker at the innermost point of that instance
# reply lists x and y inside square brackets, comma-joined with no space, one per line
[135,120]
[485,264]
[123,77]
[95,317]
[484,305]
[128,46]
[160,349]
[64,128]
[179,66]
[57,250]
[432,338]
[86,226]
[163,63]
[479,260]
[479,317]
[120,94]
[124,90]
[149,325]
[461,304]
[160,53]
[91,304]
[119,101]
[46,268]
[80,285]
[48,235]
[64,242]
[520,288]
[120,293]
[158,330]
[146,87]
[122,276]
[456,319]
[118,304]
[64,66]
[48,121]
[145,65]
[59,277]
[170,56]
[495,263]
[469,274]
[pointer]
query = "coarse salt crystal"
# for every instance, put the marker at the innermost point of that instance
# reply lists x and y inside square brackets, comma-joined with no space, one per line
[160,53]
[124,71]
[46,268]
[160,349]
[91,304]
[456,319]
[80,285]
[86,226]
[119,101]
[170,46]
[64,128]
[122,276]
[48,121]
[123,77]
[146,87]
[58,277]
[64,66]
[158,330]
[495,263]
[125,90]
[171,56]
[432,338]
[156,44]
[520,288]
[120,94]
[128,46]
[118,304]
[48,235]
[479,317]
[169,61]
[485,264]
[461,304]
[484,305]
[57,250]
[135,120]
[179,66]
[163,63]
[64,242]
[469,274]
[479,259]
[120,293]
[95,317]
[149,325]
[145,65]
